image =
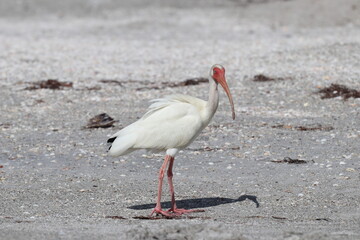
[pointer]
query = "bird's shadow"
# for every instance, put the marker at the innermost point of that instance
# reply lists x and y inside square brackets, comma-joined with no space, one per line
[199,202]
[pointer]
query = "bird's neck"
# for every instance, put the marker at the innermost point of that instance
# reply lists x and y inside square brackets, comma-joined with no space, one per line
[213,102]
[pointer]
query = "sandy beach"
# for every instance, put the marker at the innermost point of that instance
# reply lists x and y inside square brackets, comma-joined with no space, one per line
[288,167]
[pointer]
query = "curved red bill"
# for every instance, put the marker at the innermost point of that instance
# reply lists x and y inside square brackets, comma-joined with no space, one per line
[221,79]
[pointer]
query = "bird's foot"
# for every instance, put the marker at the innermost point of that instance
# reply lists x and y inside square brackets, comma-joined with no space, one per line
[180,211]
[174,212]
[159,211]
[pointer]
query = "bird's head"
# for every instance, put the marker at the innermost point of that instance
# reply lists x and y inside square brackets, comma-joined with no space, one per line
[217,72]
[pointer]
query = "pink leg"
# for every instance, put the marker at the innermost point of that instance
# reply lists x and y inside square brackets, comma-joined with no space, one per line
[174,209]
[158,208]
[171,186]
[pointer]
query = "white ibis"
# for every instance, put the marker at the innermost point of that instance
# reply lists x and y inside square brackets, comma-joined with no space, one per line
[171,124]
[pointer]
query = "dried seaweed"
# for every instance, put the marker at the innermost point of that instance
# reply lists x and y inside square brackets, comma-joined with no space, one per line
[147,85]
[5,125]
[316,128]
[197,217]
[191,81]
[111,81]
[187,82]
[305,128]
[23,221]
[337,90]
[264,78]
[115,217]
[209,149]
[148,88]
[102,120]
[290,160]
[53,84]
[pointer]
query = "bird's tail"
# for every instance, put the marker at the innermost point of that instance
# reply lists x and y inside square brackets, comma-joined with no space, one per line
[121,145]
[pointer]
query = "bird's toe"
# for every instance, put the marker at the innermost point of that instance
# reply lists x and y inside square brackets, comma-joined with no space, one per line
[158,211]
[180,211]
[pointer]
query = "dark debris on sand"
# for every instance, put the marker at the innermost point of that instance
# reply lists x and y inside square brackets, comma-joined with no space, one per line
[290,160]
[148,85]
[102,120]
[53,84]
[338,90]
[116,82]
[304,128]
[115,217]
[187,82]
[191,81]
[264,78]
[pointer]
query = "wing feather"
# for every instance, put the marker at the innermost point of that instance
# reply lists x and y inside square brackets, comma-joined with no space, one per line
[170,122]
[160,103]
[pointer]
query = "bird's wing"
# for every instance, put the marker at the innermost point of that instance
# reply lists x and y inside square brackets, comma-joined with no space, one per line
[160,103]
[171,122]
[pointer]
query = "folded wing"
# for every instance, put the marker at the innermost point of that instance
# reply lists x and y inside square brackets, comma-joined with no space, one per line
[170,122]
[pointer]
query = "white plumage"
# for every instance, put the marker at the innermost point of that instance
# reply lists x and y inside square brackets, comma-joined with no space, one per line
[171,124]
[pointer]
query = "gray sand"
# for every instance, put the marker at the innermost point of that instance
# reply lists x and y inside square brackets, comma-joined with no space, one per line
[56,180]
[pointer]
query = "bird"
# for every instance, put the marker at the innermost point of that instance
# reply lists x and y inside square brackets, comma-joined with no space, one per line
[170,125]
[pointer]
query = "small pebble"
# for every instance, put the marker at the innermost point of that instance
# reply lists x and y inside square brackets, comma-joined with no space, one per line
[350,170]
